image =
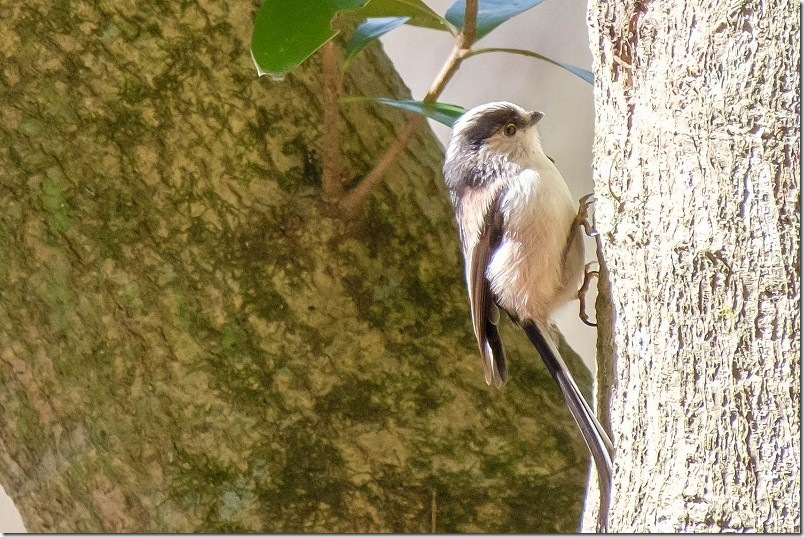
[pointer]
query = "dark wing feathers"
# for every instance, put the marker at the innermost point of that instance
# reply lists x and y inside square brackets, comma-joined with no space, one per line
[484,310]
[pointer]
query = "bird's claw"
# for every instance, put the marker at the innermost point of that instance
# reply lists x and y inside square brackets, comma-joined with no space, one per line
[587,279]
[582,217]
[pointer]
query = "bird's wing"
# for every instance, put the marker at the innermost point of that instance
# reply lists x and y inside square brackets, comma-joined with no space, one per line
[485,314]
[596,438]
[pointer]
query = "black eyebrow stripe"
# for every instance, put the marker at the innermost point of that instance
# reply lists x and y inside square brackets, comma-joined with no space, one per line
[490,122]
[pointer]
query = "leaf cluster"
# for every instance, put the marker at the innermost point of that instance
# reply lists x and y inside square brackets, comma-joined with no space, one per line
[287,32]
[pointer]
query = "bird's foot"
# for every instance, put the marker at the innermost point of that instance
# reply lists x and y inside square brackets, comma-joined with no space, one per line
[582,218]
[587,279]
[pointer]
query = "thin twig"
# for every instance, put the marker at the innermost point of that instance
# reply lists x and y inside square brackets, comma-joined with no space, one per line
[469,33]
[331,183]
[355,197]
[447,71]
[464,41]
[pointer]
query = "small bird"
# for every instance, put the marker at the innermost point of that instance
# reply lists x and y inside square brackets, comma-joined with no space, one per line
[520,231]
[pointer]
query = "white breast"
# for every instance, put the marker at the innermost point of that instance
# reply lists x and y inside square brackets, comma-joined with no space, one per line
[527,273]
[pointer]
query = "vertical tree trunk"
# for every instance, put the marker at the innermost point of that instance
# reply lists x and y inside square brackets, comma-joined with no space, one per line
[697,180]
[190,341]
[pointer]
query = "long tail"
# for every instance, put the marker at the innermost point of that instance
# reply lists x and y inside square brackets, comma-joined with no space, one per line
[594,435]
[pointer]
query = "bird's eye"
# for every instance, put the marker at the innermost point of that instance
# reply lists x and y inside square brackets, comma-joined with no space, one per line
[510,129]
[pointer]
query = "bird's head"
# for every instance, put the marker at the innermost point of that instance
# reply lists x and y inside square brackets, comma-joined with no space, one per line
[491,137]
[498,128]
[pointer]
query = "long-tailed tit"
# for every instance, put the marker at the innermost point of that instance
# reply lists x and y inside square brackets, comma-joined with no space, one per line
[523,249]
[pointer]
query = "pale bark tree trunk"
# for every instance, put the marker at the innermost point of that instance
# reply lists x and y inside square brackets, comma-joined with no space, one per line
[697,180]
[190,341]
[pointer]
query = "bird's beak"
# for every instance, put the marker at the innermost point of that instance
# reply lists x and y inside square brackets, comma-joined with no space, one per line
[535,117]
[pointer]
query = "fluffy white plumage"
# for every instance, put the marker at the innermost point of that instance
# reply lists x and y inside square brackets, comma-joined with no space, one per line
[535,270]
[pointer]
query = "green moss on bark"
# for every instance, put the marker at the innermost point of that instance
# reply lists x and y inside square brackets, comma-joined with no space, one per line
[191,342]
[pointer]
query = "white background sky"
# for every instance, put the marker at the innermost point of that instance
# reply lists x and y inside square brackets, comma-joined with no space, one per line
[555,28]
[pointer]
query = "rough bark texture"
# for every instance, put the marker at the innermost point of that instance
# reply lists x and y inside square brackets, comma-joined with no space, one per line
[190,342]
[697,178]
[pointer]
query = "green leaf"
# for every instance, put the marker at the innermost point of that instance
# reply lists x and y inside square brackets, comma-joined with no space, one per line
[420,14]
[287,32]
[370,30]
[577,71]
[490,13]
[442,112]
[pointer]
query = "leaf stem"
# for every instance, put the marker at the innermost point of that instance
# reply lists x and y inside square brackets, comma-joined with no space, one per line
[463,44]
[577,71]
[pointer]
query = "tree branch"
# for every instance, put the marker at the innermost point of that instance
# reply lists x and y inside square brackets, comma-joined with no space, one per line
[463,44]
[469,33]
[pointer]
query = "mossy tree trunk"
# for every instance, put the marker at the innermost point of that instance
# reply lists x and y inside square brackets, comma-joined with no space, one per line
[191,341]
[697,155]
